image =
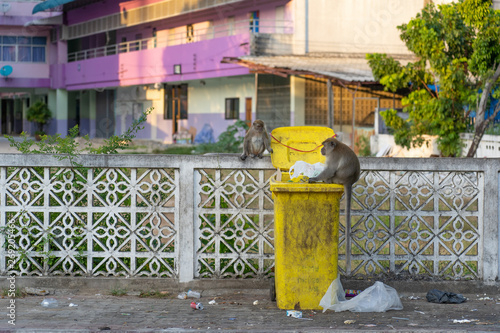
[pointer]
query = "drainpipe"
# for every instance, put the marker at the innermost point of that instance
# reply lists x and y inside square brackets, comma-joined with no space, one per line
[330,103]
[256,97]
[307,27]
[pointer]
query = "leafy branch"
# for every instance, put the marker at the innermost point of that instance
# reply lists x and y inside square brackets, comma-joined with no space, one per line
[67,148]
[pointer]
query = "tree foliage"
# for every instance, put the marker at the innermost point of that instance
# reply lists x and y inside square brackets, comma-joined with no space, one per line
[40,114]
[457,49]
[229,141]
[67,148]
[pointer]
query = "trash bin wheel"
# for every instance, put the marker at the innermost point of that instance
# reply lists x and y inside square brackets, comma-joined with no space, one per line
[272,290]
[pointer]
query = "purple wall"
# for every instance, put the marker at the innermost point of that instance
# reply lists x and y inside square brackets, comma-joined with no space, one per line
[109,7]
[199,60]
[13,82]
[57,76]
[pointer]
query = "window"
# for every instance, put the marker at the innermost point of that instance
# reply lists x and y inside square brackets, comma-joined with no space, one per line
[137,43]
[189,33]
[232,108]
[22,48]
[254,21]
[8,53]
[176,102]
[230,25]
[38,54]
[24,54]
[53,35]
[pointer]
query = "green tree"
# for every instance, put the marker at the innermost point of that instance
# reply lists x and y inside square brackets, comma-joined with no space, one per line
[457,47]
[40,114]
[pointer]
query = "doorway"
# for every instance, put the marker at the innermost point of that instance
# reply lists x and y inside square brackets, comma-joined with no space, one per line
[176,104]
[248,111]
[12,117]
[105,114]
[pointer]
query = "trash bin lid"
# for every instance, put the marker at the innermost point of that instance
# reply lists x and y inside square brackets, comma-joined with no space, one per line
[298,143]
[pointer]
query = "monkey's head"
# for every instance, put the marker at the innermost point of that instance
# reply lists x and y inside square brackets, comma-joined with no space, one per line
[329,145]
[258,125]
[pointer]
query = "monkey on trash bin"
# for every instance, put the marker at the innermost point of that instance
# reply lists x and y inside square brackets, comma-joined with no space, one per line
[256,141]
[342,167]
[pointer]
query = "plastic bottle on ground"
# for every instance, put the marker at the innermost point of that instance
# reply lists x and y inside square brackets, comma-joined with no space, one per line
[196,306]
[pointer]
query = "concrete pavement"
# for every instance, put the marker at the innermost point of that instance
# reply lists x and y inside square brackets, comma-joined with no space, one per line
[249,310]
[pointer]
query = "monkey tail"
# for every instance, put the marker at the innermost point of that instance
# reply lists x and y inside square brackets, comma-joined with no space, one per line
[348,198]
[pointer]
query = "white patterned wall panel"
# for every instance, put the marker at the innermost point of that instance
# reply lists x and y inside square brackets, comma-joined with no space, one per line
[234,230]
[91,222]
[418,223]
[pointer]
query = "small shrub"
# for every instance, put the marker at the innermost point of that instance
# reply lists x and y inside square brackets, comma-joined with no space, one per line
[117,291]
[229,141]
[40,114]
[20,293]
[363,145]
[68,148]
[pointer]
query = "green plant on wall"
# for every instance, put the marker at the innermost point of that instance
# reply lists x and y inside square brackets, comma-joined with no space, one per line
[363,145]
[40,114]
[63,148]
[229,141]
[68,149]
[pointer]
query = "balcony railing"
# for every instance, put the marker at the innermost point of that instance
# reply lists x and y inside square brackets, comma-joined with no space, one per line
[182,37]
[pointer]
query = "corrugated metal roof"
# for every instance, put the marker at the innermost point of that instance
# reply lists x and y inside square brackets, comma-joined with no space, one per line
[347,69]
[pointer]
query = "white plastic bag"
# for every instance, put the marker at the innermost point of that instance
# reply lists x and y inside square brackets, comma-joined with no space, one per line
[377,298]
[306,169]
[334,295]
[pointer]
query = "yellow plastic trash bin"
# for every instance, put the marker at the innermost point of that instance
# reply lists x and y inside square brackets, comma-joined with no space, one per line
[306,221]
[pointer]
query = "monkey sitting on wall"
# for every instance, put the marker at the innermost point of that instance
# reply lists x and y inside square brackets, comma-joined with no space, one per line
[342,167]
[256,141]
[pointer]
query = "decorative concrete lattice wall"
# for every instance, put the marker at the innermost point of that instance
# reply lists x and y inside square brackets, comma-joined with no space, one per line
[422,222]
[94,222]
[198,217]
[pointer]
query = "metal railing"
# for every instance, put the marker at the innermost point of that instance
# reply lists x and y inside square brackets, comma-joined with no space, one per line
[181,37]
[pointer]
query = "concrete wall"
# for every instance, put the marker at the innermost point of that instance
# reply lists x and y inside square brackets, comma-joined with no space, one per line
[402,208]
[357,26]
[489,147]
[206,102]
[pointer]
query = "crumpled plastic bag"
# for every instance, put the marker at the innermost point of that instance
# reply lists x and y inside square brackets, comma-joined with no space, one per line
[301,168]
[377,298]
[438,296]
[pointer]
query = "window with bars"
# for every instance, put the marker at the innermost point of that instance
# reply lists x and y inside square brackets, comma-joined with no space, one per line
[22,48]
[232,108]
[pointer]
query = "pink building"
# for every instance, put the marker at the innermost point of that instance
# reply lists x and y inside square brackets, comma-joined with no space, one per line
[201,64]
[26,55]
[100,64]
